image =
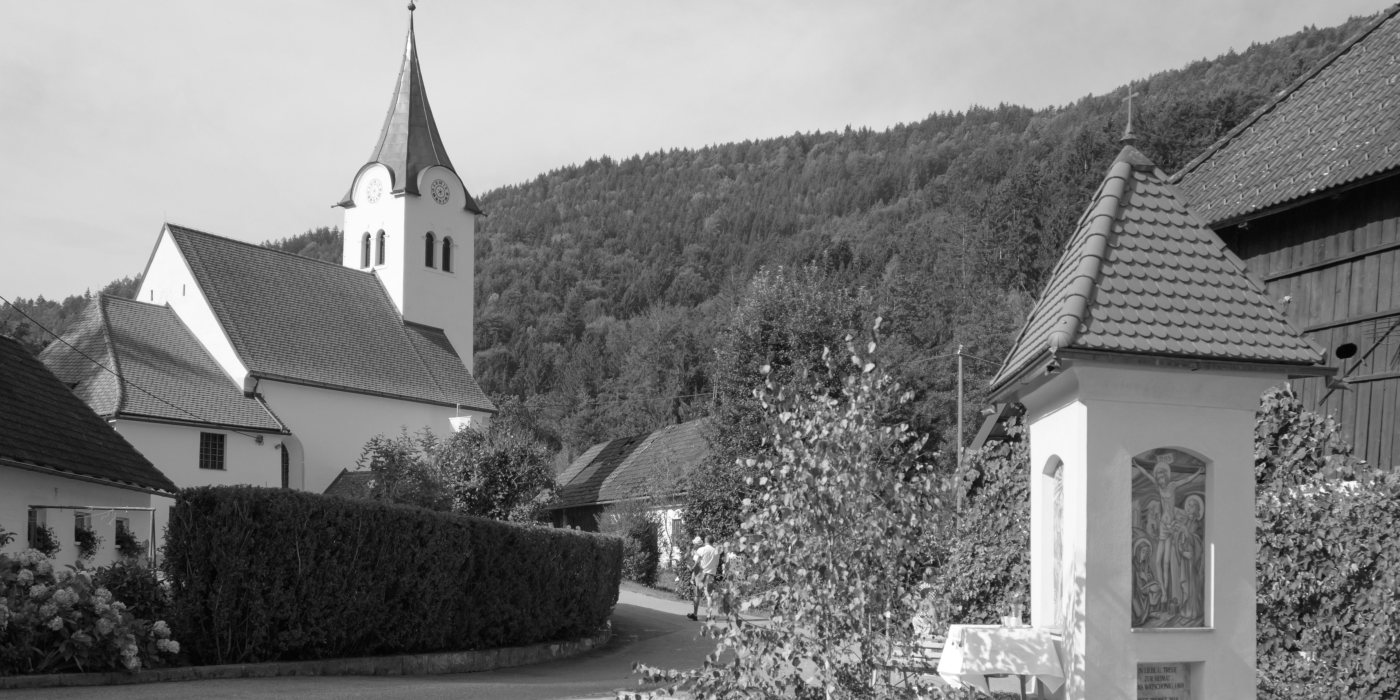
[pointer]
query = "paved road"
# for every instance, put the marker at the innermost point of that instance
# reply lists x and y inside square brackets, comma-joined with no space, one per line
[647,629]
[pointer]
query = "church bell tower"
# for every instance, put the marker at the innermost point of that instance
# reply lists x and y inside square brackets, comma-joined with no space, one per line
[409,219]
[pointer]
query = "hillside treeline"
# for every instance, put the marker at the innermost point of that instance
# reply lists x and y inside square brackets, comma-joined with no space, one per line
[606,291]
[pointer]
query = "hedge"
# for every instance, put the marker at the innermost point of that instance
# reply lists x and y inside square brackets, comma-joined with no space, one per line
[270,574]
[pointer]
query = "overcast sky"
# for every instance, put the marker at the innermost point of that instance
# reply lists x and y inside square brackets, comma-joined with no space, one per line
[249,118]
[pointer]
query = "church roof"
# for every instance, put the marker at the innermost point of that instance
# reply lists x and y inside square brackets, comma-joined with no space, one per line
[409,141]
[633,467]
[318,323]
[45,427]
[1143,276]
[152,368]
[1337,126]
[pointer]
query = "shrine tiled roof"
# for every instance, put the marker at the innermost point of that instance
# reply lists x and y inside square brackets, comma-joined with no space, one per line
[1337,126]
[145,364]
[45,427]
[1141,275]
[639,466]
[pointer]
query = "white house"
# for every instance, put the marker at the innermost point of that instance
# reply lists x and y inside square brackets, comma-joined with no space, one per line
[237,364]
[63,468]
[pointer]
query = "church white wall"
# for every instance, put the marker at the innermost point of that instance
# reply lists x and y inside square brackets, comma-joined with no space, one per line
[168,280]
[1096,418]
[23,488]
[333,426]
[174,450]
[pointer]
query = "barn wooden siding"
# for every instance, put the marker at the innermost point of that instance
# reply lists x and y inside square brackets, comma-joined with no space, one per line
[1337,260]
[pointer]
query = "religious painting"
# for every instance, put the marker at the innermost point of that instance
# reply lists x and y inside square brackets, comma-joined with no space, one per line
[1168,552]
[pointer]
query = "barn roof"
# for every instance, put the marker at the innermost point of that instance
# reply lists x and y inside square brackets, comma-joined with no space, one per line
[633,467]
[1335,127]
[1141,275]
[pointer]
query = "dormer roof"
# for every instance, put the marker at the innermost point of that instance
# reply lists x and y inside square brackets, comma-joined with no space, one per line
[1142,275]
[409,141]
[1336,127]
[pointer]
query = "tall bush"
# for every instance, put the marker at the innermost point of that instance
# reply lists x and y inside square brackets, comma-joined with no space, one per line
[832,544]
[640,533]
[1329,561]
[270,574]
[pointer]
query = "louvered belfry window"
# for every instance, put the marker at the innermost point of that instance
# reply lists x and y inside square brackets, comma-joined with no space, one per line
[428,242]
[379,253]
[446,253]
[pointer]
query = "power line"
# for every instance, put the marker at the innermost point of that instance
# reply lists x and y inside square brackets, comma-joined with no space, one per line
[112,372]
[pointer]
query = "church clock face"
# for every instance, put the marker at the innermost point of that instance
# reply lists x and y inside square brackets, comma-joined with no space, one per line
[374,190]
[441,192]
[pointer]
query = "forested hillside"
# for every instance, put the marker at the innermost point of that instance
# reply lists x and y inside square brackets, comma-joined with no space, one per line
[606,290]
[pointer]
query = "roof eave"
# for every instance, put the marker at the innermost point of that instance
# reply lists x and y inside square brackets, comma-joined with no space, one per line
[64,474]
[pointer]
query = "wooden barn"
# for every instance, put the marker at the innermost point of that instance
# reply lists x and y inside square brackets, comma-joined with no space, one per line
[1307,192]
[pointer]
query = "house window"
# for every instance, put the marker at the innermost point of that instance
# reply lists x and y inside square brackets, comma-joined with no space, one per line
[428,242]
[82,521]
[36,521]
[364,251]
[211,451]
[123,526]
[446,253]
[379,252]
[286,467]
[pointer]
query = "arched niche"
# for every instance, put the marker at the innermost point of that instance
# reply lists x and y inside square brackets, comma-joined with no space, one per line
[1169,497]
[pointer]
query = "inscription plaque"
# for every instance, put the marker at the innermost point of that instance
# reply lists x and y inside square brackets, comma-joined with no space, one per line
[1163,681]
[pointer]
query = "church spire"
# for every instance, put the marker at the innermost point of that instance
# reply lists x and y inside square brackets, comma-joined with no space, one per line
[409,141]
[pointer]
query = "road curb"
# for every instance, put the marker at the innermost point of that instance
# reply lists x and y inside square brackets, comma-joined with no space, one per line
[401,665]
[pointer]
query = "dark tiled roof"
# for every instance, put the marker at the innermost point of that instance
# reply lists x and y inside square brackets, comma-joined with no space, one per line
[348,484]
[633,467]
[314,322]
[75,361]
[44,425]
[165,373]
[409,141]
[1142,275]
[1337,125]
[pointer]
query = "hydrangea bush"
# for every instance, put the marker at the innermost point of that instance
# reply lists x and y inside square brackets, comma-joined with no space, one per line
[55,620]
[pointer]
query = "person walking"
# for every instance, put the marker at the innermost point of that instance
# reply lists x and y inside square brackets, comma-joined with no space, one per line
[705,565]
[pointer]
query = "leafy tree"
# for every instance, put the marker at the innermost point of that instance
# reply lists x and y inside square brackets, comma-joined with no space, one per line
[985,564]
[503,472]
[831,543]
[1329,591]
[777,333]
[406,470]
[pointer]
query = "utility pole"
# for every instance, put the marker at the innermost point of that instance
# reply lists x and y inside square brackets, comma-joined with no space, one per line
[958,470]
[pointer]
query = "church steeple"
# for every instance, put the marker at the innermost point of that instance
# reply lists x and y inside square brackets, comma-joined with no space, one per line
[409,141]
[409,219]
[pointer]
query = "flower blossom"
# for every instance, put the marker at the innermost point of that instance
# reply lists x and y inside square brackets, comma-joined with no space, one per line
[56,623]
[38,591]
[160,629]
[168,646]
[25,576]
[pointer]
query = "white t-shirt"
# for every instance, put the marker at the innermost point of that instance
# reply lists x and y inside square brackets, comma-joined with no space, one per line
[708,557]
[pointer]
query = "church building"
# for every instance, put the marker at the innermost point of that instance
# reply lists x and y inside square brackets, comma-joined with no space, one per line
[238,364]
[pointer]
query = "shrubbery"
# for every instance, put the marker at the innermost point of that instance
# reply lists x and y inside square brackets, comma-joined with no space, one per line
[56,620]
[270,574]
[641,553]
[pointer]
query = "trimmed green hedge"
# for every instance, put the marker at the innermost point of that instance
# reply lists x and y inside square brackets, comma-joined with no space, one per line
[271,574]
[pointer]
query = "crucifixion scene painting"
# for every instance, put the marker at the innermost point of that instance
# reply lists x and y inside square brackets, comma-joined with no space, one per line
[1169,506]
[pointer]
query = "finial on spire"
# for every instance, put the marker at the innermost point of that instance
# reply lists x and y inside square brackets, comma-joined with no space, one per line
[1129,138]
[411,6]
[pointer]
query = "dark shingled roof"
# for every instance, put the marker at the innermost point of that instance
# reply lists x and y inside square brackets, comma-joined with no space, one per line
[313,322]
[46,427]
[1339,125]
[409,141]
[348,484]
[631,467]
[1142,275]
[168,375]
